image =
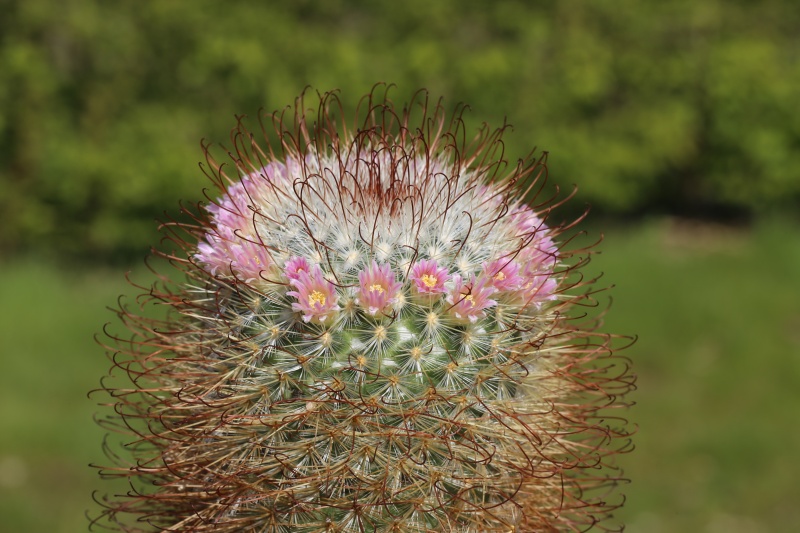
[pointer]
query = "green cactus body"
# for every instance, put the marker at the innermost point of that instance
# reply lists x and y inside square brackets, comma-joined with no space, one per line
[372,336]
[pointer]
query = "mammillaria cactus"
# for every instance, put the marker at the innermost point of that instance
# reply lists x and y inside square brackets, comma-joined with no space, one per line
[373,333]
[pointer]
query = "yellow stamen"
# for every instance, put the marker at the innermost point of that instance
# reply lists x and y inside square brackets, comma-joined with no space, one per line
[470,299]
[428,280]
[499,276]
[377,288]
[316,297]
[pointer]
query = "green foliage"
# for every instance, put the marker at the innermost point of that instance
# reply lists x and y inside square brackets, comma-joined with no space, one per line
[675,106]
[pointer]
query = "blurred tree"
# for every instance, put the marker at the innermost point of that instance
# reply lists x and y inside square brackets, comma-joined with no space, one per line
[677,106]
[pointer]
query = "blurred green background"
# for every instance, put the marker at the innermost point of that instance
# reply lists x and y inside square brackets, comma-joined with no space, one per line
[678,120]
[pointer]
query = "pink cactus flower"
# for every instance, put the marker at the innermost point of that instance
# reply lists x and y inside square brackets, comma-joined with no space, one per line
[316,296]
[503,275]
[539,255]
[538,289]
[228,253]
[294,266]
[214,254]
[232,211]
[526,221]
[228,243]
[427,277]
[540,261]
[378,288]
[468,301]
[249,259]
[234,242]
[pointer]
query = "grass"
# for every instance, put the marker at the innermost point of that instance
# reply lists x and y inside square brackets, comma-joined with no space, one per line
[718,318]
[718,362]
[50,362]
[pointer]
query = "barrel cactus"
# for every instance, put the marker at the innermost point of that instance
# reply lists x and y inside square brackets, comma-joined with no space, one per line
[369,330]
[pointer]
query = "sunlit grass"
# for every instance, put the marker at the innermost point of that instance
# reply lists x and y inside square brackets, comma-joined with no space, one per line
[48,319]
[718,362]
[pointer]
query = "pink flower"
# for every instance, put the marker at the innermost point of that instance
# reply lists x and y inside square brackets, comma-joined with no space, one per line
[468,300]
[525,221]
[249,259]
[378,289]
[233,240]
[294,266]
[226,252]
[540,255]
[538,289]
[214,254]
[503,274]
[316,296]
[235,210]
[232,211]
[428,277]
[540,259]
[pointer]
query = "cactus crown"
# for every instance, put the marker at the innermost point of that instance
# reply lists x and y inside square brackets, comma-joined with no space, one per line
[373,336]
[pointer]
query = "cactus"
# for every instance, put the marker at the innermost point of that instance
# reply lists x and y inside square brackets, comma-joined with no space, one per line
[373,332]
